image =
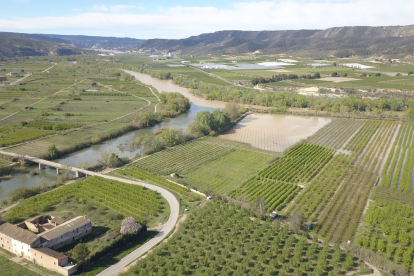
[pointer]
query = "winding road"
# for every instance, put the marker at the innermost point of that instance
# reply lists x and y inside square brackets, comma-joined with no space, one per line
[166,229]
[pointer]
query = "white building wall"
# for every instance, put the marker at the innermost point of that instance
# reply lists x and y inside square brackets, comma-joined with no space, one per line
[22,249]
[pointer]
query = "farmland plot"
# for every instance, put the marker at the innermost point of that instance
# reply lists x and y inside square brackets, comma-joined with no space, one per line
[336,133]
[229,171]
[276,184]
[397,173]
[340,218]
[219,239]
[387,231]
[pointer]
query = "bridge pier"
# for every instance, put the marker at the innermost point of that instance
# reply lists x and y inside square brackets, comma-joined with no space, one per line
[79,174]
[57,170]
[41,167]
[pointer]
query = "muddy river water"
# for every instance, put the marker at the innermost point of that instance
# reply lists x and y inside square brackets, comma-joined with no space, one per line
[271,132]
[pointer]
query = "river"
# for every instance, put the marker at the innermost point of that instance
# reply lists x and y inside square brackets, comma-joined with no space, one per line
[91,155]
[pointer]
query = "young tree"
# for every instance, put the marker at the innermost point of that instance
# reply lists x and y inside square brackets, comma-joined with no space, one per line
[233,110]
[53,152]
[80,253]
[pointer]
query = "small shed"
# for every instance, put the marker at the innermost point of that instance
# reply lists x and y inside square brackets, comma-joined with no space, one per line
[3,78]
[186,62]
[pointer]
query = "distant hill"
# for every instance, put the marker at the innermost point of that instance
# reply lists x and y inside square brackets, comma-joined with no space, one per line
[83,41]
[392,41]
[13,46]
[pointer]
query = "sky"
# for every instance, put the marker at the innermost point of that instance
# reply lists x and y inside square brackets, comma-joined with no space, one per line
[184,18]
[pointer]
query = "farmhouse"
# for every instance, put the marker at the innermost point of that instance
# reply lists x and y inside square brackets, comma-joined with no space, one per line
[3,78]
[186,62]
[35,239]
[14,73]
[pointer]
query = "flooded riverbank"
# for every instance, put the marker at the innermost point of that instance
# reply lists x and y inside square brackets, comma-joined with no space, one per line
[274,132]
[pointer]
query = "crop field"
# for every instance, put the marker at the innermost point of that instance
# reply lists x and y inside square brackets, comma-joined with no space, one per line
[184,158]
[128,200]
[340,219]
[33,148]
[23,135]
[135,173]
[276,194]
[229,171]
[388,231]
[221,240]
[300,165]
[59,100]
[336,134]
[397,173]
[276,184]
[231,76]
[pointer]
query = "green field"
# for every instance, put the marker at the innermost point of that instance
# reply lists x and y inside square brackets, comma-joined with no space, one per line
[10,268]
[228,172]
[231,76]
[208,164]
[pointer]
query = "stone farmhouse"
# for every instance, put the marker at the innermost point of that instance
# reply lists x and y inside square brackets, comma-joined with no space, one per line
[35,240]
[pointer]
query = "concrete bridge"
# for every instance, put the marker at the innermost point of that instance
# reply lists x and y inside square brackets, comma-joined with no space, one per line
[59,167]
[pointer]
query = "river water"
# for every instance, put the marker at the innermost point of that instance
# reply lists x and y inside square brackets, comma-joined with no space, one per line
[91,155]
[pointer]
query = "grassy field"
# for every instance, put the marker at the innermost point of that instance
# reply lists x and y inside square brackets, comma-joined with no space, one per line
[228,172]
[10,268]
[231,76]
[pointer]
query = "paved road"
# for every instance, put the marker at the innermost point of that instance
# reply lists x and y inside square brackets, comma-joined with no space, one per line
[167,228]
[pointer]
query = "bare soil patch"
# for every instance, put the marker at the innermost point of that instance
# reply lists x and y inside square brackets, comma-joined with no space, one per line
[279,70]
[337,79]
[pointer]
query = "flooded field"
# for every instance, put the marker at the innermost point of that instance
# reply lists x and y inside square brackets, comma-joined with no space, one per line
[274,132]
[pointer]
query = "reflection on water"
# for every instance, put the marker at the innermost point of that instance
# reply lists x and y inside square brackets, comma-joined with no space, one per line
[24,179]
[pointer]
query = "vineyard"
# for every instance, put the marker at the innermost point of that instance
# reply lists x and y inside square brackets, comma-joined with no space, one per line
[190,156]
[128,200]
[221,240]
[276,194]
[275,184]
[23,135]
[336,133]
[340,219]
[7,128]
[398,172]
[388,231]
[300,165]
[136,173]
